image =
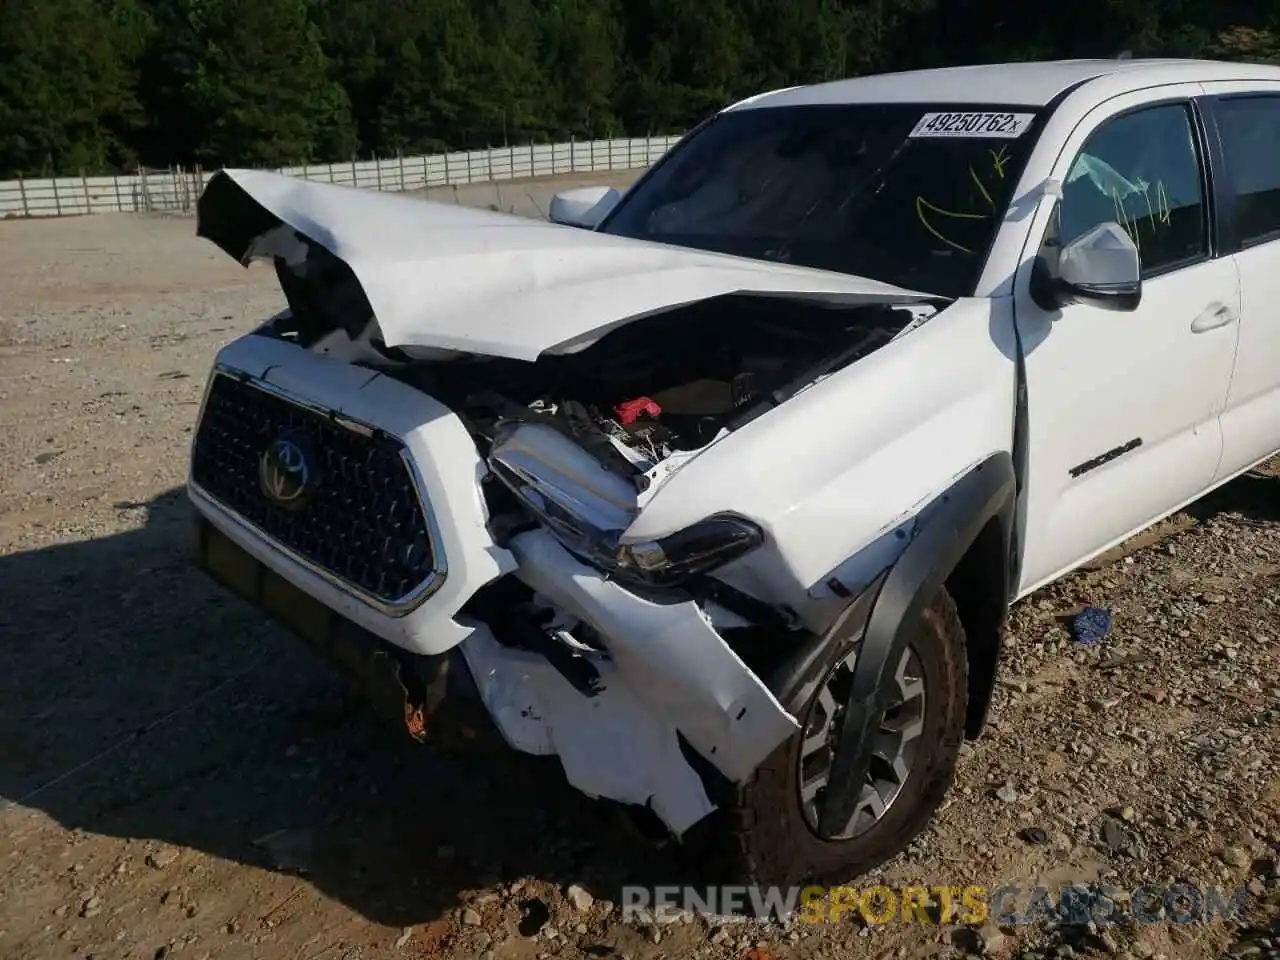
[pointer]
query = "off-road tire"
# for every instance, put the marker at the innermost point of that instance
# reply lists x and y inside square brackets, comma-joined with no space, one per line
[763,837]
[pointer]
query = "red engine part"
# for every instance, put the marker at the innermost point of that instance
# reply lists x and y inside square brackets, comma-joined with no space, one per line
[629,411]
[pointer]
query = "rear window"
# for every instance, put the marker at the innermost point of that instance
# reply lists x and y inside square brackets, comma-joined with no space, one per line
[907,194]
[1250,129]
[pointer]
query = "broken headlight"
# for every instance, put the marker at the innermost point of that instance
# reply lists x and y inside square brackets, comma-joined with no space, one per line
[686,553]
[588,509]
[659,563]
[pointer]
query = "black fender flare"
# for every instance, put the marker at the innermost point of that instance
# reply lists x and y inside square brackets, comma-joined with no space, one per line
[988,491]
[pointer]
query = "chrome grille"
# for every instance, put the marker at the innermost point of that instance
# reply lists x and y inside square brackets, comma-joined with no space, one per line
[361,520]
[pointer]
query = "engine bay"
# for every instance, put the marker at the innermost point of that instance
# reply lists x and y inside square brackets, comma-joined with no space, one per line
[670,383]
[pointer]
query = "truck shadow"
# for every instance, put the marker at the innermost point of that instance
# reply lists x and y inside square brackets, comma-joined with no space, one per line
[1255,496]
[140,701]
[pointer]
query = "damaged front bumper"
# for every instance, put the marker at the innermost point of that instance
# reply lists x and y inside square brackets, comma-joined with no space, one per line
[666,691]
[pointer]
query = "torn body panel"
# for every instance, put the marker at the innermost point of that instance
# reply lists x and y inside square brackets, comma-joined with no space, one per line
[612,745]
[670,656]
[661,671]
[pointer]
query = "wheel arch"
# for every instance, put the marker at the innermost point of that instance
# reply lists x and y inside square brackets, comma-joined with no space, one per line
[979,585]
[965,546]
[964,541]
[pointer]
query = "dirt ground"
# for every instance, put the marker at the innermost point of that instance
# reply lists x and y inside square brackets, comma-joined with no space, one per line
[182,779]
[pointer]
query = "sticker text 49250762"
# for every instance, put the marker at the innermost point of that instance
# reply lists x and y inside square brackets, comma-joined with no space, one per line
[985,124]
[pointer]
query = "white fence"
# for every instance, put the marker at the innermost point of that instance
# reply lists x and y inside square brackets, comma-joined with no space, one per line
[177,190]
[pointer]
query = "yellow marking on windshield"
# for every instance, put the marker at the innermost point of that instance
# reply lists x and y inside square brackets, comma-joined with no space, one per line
[922,203]
[998,160]
[981,189]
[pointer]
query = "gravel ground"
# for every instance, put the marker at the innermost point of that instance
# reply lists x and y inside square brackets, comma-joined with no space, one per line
[183,779]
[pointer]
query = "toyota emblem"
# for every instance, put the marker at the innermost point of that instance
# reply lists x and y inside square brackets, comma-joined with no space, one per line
[284,474]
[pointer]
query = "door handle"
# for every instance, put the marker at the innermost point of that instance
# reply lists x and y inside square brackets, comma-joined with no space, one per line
[1215,315]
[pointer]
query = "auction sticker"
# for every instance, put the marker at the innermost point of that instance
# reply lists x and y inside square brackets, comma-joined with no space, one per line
[994,126]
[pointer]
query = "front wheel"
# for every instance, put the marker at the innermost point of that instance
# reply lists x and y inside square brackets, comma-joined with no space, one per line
[770,830]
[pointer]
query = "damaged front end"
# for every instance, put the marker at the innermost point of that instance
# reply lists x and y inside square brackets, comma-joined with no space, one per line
[539,420]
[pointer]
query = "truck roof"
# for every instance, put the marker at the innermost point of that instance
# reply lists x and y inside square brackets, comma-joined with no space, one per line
[1032,84]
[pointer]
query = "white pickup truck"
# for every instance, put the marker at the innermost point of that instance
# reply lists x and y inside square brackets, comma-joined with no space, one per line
[723,499]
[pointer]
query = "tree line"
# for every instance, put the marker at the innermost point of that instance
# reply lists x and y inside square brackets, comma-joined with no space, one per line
[105,85]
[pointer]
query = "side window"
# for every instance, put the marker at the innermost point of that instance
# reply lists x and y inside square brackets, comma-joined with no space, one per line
[1141,170]
[1250,130]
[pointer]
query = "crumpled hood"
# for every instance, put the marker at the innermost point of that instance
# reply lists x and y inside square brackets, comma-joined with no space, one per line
[443,276]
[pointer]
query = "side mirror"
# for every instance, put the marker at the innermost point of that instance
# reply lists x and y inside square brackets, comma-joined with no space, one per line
[585,207]
[1102,267]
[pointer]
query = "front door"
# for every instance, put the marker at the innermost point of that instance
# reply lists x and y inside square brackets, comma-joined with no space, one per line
[1123,407]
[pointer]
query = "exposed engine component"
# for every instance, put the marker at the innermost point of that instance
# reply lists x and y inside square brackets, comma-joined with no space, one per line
[672,383]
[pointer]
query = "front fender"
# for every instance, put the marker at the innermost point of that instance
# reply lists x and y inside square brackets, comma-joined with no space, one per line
[855,454]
